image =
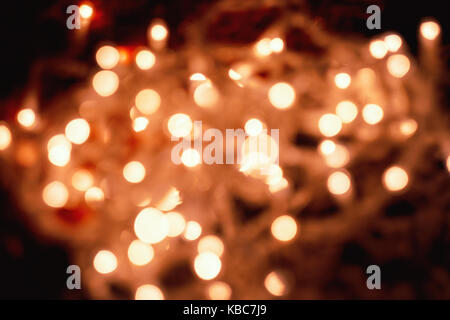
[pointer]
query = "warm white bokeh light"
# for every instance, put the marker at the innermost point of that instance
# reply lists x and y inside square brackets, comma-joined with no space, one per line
[134,172]
[212,244]
[219,290]
[284,228]
[151,225]
[398,65]
[197,77]
[338,183]
[55,194]
[86,11]
[330,125]
[395,178]
[253,127]
[342,80]
[5,137]
[105,262]
[94,195]
[180,125]
[347,111]
[59,149]
[158,32]
[281,95]
[378,49]
[147,101]
[338,158]
[263,47]
[408,127]
[105,82]
[82,180]
[177,223]
[275,284]
[107,57]
[140,253]
[190,158]
[145,59]
[140,124]
[372,113]
[192,231]
[207,265]
[149,292]
[327,147]
[26,117]
[393,42]
[277,45]
[206,95]
[77,131]
[430,30]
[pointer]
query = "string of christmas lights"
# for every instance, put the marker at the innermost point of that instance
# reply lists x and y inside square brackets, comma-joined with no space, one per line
[94,170]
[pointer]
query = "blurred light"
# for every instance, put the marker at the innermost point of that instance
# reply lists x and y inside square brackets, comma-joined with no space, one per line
[347,111]
[192,231]
[234,75]
[274,174]
[147,101]
[212,244]
[284,228]
[207,265]
[378,49]
[107,57]
[151,226]
[5,137]
[398,65]
[180,125]
[430,30]
[134,172]
[55,194]
[263,47]
[94,195]
[448,163]
[253,127]
[190,158]
[276,45]
[145,59]
[327,147]
[219,290]
[330,125]
[140,124]
[158,32]
[408,127]
[59,149]
[105,262]
[105,82]
[176,224]
[77,131]
[342,80]
[26,117]
[282,184]
[395,178]
[149,292]
[339,157]
[281,95]
[170,200]
[275,284]
[372,113]
[86,11]
[82,180]
[140,253]
[338,183]
[393,42]
[206,95]
[197,77]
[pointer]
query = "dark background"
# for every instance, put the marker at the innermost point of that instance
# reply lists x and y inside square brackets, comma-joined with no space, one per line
[32,267]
